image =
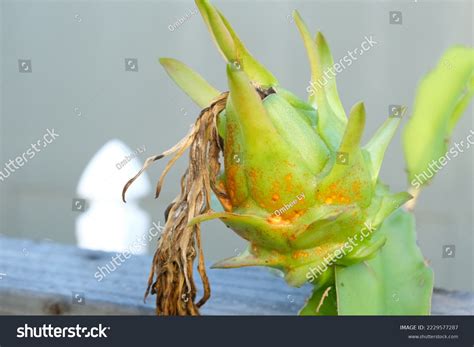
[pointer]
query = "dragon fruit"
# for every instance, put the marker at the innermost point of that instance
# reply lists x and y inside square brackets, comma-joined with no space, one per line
[297,182]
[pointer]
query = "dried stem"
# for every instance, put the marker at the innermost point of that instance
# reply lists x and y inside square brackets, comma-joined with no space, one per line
[171,276]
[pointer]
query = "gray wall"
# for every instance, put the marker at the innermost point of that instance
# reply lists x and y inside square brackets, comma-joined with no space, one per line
[77,51]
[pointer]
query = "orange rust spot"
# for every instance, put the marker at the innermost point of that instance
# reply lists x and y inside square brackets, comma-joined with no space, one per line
[226,203]
[221,185]
[356,187]
[231,181]
[318,250]
[253,174]
[288,182]
[300,254]
[275,197]
[296,214]
[337,194]
[274,219]
[276,185]
[254,187]
[231,188]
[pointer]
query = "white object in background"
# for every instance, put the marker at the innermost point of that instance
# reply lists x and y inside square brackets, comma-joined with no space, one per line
[109,224]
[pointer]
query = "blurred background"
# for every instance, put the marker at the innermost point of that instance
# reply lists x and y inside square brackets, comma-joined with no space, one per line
[88,72]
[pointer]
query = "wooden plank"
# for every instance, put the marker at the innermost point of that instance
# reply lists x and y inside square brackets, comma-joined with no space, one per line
[42,277]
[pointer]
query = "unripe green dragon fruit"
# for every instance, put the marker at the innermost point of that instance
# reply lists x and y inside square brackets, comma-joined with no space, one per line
[297,182]
[299,185]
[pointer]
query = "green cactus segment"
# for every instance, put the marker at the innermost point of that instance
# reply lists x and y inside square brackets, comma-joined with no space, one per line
[389,284]
[327,62]
[307,112]
[246,259]
[354,130]
[441,99]
[231,47]
[296,132]
[390,203]
[192,83]
[331,121]
[253,118]
[383,205]
[365,251]
[253,228]
[275,173]
[325,220]
[378,145]
[322,302]
[323,236]
[235,176]
[222,124]
[461,106]
[350,180]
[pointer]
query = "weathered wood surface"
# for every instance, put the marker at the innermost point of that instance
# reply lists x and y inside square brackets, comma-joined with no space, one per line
[44,277]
